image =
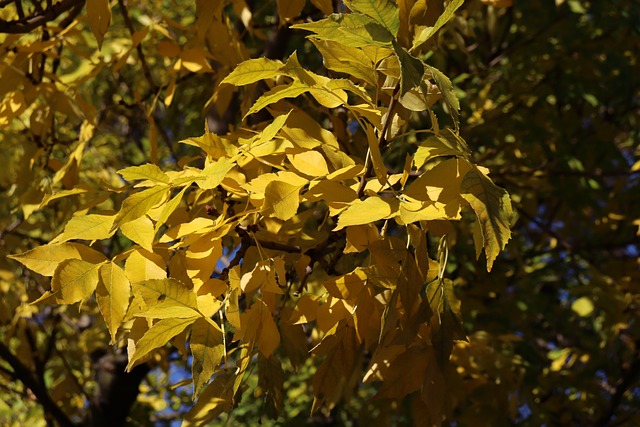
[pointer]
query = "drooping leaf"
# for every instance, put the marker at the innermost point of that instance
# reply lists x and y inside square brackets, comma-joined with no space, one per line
[216,398]
[207,349]
[446,88]
[348,60]
[492,206]
[411,69]
[424,35]
[99,16]
[289,9]
[112,295]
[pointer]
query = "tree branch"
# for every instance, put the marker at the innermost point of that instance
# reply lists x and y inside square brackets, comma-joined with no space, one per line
[22,373]
[28,23]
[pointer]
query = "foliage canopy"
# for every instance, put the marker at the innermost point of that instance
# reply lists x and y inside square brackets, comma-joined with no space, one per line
[322,252]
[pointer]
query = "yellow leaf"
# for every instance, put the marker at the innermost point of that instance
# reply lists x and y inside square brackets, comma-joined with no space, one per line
[309,163]
[582,306]
[143,265]
[492,207]
[278,93]
[348,60]
[258,326]
[166,298]
[99,16]
[367,211]
[412,210]
[112,296]
[324,5]
[147,171]
[74,280]
[253,70]
[201,258]
[425,34]
[359,237]
[348,286]
[198,225]
[281,200]
[157,336]
[140,231]
[376,156]
[45,259]
[140,203]
[290,9]
[207,348]
[87,227]
[216,398]
[214,173]
[305,310]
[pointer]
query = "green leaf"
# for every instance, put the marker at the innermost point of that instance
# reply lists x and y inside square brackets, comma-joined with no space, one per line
[140,203]
[446,88]
[253,70]
[146,171]
[492,207]
[166,298]
[384,12]
[348,60]
[428,32]
[157,336]
[207,348]
[411,69]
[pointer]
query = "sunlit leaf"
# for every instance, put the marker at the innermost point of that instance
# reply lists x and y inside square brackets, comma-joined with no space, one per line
[112,295]
[207,348]
[492,206]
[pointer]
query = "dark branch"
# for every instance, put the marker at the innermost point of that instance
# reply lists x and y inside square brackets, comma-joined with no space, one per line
[29,23]
[22,373]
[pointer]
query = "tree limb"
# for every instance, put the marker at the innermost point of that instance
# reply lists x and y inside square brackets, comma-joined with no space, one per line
[22,373]
[28,23]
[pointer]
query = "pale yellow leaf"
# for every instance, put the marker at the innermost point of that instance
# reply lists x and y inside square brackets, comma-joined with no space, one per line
[112,296]
[143,172]
[157,336]
[140,203]
[281,200]
[140,231]
[143,265]
[45,259]
[253,70]
[74,280]
[582,306]
[309,163]
[367,211]
[87,227]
